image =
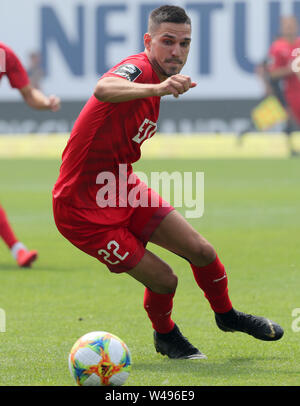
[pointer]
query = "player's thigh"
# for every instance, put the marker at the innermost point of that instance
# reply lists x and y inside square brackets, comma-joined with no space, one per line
[154,273]
[177,235]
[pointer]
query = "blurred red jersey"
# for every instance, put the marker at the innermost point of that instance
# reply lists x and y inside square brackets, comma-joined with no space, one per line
[12,68]
[106,135]
[282,54]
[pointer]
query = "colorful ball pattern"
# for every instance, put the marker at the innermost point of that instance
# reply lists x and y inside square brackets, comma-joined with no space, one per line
[100,359]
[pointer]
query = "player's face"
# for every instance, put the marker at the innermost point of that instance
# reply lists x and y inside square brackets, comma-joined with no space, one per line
[289,27]
[168,48]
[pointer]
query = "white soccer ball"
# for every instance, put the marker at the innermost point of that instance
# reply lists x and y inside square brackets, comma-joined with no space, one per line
[100,359]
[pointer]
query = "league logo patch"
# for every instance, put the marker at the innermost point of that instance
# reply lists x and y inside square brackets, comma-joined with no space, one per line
[128,71]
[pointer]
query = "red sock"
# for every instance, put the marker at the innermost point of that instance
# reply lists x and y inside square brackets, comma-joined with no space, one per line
[6,231]
[159,307]
[212,279]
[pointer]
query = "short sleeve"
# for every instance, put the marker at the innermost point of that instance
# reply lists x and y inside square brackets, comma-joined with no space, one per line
[135,69]
[127,71]
[15,71]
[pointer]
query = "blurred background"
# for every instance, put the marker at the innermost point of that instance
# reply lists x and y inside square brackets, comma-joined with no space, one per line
[67,45]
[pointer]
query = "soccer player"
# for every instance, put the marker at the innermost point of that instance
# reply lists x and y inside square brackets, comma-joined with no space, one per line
[282,54]
[107,211]
[279,77]
[11,66]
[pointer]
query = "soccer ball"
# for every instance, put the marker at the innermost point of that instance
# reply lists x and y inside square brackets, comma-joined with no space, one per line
[99,359]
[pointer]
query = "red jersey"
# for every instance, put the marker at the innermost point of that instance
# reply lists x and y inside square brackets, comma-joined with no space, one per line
[282,54]
[106,135]
[13,68]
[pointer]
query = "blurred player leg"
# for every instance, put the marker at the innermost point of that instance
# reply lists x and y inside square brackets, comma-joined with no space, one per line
[20,253]
[6,232]
[240,135]
[291,125]
[288,131]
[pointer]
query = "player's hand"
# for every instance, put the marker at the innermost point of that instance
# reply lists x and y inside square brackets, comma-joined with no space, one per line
[54,103]
[175,85]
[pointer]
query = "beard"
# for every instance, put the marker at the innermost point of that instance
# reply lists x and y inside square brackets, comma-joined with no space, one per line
[173,70]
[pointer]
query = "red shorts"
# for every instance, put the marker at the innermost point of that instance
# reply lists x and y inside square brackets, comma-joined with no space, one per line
[116,236]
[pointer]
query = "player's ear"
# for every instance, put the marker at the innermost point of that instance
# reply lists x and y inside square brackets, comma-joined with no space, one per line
[147,41]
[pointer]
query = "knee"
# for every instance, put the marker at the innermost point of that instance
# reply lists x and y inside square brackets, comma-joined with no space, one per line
[171,285]
[167,283]
[202,252]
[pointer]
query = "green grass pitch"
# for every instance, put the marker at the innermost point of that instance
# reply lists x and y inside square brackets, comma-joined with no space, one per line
[252,217]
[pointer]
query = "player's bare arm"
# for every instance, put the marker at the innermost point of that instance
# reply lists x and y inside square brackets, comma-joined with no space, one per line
[117,90]
[37,100]
[280,73]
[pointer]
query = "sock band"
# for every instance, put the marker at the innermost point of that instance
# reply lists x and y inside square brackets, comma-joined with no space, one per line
[159,308]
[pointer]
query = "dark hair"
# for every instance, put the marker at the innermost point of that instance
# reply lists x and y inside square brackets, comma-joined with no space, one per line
[169,14]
